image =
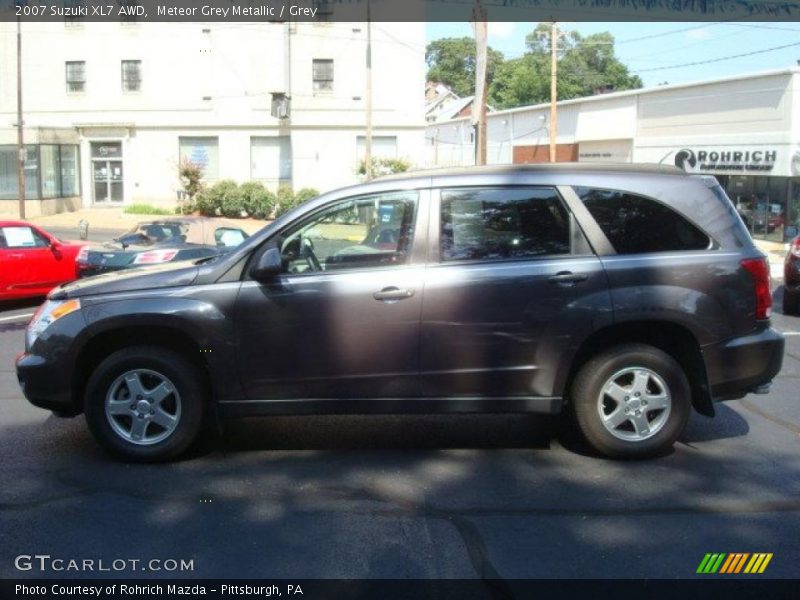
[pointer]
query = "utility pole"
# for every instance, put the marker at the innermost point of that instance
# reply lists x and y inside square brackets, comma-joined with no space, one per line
[368,140]
[479,102]
[20,140]
[553,90]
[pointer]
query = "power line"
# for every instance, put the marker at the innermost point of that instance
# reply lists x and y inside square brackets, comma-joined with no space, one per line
[719,59]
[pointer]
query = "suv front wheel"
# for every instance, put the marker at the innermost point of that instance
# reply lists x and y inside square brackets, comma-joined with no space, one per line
[631,401]
[145,403]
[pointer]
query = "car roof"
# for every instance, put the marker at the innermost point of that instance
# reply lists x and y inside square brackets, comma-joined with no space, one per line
[542,168]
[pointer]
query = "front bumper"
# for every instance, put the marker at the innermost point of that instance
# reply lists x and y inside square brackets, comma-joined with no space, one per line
[46,384]
[744,364]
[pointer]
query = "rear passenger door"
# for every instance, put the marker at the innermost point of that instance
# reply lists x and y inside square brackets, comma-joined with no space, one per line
[512,287]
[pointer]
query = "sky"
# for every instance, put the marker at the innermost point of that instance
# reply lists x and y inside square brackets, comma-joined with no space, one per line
[671,44]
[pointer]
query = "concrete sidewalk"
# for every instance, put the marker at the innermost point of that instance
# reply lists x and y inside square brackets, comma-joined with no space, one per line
[113,218]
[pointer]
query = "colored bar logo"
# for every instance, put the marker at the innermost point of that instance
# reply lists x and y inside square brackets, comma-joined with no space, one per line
[734,562]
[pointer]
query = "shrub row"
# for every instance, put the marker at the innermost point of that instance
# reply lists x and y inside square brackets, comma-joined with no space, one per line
[251,199]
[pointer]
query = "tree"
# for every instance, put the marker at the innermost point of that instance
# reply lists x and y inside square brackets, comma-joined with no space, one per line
[451,61]
[585,65]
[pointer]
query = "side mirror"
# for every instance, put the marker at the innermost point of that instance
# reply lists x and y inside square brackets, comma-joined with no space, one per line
[268,266]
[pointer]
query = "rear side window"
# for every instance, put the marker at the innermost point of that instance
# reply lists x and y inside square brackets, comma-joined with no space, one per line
[638,225]
[502,223]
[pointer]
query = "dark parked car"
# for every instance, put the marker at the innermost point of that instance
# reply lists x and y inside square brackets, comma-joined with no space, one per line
[161,241]
[791,279]
[626,294]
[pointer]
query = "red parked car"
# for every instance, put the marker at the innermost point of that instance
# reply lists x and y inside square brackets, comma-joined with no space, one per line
[32,261]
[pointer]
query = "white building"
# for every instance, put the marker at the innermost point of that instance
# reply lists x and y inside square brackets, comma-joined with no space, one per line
[112,108]
[744,129]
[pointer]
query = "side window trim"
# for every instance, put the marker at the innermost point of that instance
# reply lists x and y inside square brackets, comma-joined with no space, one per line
[418,242]
[712,242]
[595,236]
[434,229]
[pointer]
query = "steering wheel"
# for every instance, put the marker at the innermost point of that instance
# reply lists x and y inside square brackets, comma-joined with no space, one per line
[307,252]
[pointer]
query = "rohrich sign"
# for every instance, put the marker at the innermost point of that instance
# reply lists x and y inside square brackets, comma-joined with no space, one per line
[739,160]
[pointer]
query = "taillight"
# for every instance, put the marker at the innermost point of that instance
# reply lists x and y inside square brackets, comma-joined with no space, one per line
[759,270]
[153,257]
[795,247]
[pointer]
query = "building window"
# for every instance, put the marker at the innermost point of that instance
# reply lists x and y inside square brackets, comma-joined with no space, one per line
[638,225]
[69,171]
[502,224]
[51,171]
[323,74]
[131,75]
[203,152]
[271,159]
[76,75]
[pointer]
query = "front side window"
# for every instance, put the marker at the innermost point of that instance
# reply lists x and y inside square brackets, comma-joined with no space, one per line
[502,223]
[76,75]
[323,74]
[20,238]
[131,75]
[638,225]
[359,233]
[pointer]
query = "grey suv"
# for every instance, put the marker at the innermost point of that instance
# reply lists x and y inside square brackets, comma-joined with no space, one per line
[624,295]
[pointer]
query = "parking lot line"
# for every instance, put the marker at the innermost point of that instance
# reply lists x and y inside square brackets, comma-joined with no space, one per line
[16,317]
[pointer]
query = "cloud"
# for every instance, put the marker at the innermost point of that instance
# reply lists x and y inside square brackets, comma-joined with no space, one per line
[501,29]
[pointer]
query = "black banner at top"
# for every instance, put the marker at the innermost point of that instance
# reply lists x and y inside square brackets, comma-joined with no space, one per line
[396,10]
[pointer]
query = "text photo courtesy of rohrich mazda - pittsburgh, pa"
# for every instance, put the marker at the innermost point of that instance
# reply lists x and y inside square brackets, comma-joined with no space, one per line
[380,299]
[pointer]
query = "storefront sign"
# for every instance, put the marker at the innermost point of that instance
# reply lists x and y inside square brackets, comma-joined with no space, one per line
[713,160]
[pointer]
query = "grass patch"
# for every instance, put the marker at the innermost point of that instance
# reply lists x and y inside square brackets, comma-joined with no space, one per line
[147,209]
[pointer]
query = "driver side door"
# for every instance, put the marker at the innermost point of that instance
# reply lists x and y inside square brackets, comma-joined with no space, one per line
[342,321]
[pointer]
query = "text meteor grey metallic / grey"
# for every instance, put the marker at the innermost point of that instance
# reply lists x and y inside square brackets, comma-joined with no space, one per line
[628,294]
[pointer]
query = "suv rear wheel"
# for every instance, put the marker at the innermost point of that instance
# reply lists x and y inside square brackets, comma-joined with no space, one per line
[631,401]
[145,403]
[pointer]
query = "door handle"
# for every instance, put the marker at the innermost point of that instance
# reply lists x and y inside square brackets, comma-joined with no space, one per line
[393,294]
[567,278]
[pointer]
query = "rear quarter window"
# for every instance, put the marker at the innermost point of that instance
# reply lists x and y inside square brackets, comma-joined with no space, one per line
[639,225]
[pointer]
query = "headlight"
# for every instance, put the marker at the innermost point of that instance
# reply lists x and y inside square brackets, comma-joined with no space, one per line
[47,314]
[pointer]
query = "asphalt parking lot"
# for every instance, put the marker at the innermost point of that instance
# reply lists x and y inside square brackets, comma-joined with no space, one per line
[405,497]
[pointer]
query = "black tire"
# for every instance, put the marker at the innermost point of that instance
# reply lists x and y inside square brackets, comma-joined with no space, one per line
[187,401]
[658,368]
[790,302]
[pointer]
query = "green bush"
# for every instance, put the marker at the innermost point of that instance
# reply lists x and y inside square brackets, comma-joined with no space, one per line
[304,195]
[233,205]
[285,200]
[384,166]
[259,202]
[220,198]
[146,209]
